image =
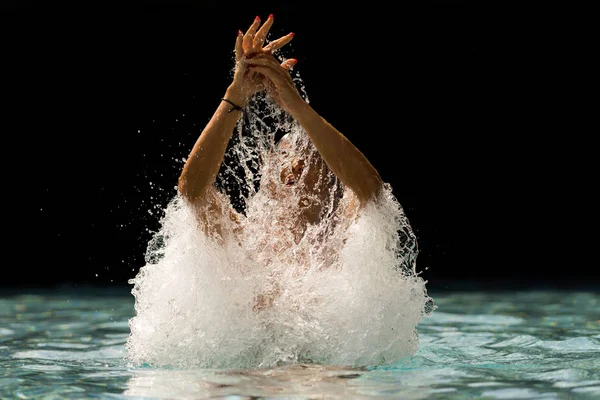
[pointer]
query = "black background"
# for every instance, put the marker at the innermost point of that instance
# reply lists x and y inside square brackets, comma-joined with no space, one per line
[445,99]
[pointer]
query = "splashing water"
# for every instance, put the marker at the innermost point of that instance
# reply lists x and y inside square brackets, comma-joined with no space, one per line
[300,279]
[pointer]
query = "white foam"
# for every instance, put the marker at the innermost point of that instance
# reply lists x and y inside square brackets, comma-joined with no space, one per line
[346,293]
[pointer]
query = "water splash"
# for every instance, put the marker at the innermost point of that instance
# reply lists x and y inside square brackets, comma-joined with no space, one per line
[300,279]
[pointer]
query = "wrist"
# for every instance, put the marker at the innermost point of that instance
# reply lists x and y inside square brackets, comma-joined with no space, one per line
[237,95]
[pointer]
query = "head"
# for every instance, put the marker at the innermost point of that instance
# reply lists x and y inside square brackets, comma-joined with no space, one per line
[296,167]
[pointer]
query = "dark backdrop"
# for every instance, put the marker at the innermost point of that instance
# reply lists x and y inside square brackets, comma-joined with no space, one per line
[103,102]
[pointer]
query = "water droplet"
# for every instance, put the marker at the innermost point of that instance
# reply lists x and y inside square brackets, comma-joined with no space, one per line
[247,156]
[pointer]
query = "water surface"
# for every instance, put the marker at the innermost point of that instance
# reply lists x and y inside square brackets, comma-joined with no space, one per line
[533,344]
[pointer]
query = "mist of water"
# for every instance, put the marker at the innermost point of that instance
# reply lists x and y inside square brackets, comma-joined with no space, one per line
[270,291]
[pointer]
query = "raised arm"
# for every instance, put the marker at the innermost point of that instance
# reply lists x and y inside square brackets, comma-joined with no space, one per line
[203,164]
[341,156]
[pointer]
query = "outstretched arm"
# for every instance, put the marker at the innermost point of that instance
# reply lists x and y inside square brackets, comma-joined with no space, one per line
[203,164]
[341,156]
[347,162]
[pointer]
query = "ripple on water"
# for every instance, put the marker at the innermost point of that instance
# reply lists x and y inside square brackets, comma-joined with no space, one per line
[486,320]
[45,368]
[65,345]
[579,344]
[108,352]
[519,393]
[6,332]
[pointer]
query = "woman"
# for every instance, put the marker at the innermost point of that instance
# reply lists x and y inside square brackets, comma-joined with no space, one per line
[317,267]
[257,69]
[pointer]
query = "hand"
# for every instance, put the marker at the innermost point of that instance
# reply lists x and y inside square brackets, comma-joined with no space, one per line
[250,45]
[280,84]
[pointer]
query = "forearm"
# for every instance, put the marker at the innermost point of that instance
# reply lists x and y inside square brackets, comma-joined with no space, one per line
[343,158]
[204,161]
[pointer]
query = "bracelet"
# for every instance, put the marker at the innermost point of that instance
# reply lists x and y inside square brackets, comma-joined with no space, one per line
[235,106]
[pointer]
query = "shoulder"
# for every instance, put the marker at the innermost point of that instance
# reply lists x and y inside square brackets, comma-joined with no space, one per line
[215,214]
[349,206]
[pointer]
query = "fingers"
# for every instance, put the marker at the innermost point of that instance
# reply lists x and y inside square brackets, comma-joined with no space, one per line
[248,42]
[289,63]
[261,35]
[266,60]
[279,43]
[276,76]
[253,40]
[239,52]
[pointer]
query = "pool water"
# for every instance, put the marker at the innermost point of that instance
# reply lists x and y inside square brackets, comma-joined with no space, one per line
[533,344]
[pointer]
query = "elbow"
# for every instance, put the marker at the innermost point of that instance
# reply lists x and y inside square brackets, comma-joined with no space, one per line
[190,191]
[184,188]
[371,192]
[181,184]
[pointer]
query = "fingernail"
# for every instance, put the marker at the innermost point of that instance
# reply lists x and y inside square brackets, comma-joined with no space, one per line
[270,16]
[239,32]
[257,18]
[291,34]
[295,61]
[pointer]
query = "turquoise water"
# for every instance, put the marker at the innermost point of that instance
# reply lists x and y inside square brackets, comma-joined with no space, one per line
[538,344]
